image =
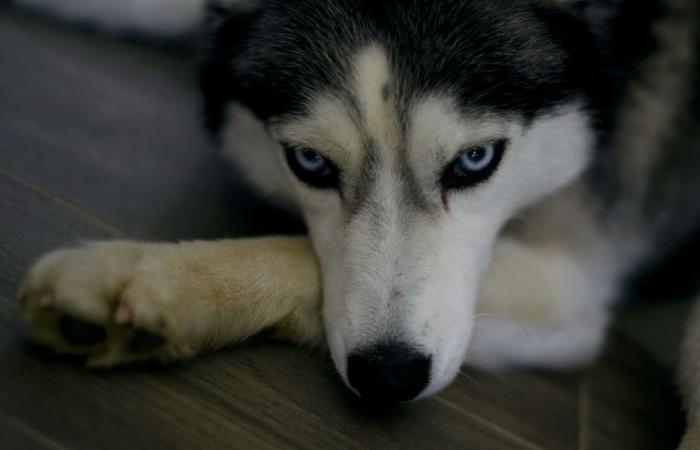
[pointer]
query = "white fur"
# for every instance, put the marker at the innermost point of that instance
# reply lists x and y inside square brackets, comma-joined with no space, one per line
[327,126]
[396,271]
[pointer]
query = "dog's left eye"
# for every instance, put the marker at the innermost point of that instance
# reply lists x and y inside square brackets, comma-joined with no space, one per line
[473,165]
[312,168]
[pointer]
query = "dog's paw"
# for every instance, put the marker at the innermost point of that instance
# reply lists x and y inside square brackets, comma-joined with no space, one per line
[106,301]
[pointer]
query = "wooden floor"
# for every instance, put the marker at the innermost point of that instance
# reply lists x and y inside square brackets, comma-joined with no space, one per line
[100,138]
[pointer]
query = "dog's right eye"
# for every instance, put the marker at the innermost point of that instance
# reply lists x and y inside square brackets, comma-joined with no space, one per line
[312,168]
[473,165]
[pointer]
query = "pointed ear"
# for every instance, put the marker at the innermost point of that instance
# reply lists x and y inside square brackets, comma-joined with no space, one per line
[226,26]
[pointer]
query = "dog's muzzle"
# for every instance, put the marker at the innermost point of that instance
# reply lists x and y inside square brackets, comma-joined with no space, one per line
[389,372]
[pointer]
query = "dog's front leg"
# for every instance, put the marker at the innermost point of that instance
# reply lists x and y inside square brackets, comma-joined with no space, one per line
[123,301]
[538,306]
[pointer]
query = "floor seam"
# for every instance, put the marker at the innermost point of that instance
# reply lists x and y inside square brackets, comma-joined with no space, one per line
[36,435]
[84,213]
[493,426]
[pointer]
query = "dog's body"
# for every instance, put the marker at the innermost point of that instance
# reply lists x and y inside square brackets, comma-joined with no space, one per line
[533,153]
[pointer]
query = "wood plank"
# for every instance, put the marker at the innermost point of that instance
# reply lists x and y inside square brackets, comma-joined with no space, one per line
[114,127]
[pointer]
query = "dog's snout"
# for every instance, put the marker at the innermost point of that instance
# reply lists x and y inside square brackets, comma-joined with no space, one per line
[389,373]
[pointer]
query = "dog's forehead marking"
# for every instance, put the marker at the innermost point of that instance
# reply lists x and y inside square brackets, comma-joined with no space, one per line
[372,81]
[382,125]
[376,120]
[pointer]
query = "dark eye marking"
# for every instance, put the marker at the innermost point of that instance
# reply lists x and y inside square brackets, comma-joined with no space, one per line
[312,168]
[473,165]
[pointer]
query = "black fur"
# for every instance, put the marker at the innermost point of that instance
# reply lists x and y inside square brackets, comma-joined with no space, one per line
[514,56]
[224,32]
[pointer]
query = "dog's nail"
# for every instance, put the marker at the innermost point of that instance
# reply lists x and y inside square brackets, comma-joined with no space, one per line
[46,301]
[79,332]
[124,315]
[144,340]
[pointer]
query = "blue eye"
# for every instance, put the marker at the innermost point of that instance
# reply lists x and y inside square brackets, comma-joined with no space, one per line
[312,168]
[473,165]
[310,161]
[476,159]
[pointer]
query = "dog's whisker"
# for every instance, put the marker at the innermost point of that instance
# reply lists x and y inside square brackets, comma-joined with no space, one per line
[497,315]
[471,363]
[470,378]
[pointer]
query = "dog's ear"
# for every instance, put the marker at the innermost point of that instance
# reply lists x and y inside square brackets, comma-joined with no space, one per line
[226,25]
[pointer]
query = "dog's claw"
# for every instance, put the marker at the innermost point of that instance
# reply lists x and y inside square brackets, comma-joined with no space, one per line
[124,315]
[23,294]
[46,302]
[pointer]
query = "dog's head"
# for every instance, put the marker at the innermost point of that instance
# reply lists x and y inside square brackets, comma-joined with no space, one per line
[408,132]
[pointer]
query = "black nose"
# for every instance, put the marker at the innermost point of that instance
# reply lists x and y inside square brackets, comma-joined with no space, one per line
[388,373]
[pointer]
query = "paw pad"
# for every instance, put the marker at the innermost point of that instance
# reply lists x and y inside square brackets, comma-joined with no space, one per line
[79,332]
[144,340]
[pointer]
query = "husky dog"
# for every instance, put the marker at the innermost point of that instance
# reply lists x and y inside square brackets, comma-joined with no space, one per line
[478,179]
